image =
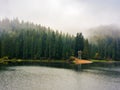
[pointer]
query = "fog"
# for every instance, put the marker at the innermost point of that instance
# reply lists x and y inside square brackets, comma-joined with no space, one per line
[70,16]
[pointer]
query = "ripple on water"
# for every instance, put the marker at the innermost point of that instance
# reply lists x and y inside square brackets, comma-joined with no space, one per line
[45,78]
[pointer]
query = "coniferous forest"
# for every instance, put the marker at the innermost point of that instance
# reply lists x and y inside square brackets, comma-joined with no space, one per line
[24,40]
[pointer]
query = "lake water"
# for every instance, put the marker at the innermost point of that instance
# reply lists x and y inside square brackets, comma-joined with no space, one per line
[46,78]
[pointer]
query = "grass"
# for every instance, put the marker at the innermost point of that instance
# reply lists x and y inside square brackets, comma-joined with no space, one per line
[102,61]
[6,61]
[39,61]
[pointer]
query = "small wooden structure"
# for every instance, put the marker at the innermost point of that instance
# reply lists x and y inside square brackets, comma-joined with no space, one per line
[80,54]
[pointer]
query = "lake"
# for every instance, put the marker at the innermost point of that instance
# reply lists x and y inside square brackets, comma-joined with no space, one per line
[49,78]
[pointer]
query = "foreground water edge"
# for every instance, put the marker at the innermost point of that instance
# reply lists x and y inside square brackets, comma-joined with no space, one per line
[50,78]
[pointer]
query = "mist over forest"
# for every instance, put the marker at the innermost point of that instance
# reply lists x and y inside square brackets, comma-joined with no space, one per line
[27,40]
[59,44]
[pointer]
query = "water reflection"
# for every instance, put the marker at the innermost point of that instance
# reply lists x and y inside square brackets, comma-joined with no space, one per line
[46,78]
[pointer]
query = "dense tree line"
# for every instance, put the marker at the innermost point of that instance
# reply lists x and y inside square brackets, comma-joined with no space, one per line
[105,42]
[29,41]
[107,48]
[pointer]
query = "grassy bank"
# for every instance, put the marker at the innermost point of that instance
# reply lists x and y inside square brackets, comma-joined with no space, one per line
[104,61]
[6,61]
[2,61]
[48,63]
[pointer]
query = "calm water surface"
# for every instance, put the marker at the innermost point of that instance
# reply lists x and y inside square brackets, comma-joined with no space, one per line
[46,78]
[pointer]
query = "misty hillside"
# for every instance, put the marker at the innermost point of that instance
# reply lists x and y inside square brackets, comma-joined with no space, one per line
[103,32]
[7,25]
[105,41]
[25,40]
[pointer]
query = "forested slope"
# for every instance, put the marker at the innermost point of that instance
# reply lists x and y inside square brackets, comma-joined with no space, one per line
[26,40]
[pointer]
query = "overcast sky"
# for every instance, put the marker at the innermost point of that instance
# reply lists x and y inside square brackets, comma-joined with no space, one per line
[66,15]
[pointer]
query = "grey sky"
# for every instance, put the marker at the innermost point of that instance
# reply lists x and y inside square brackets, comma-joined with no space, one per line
[66,15]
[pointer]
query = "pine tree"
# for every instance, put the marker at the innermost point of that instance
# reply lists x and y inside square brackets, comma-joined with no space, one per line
[79,43]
